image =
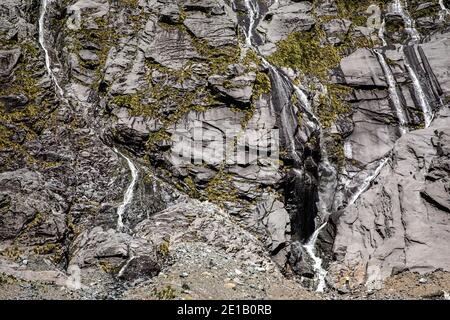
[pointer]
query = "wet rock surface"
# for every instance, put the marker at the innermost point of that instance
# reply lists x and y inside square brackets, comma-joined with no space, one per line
[86,86]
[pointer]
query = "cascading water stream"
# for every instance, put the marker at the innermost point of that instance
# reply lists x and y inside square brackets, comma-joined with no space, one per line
[397,8]
[128,196]
[393,94]
[125,266]
[307,106]
[287,116]
[366,183]
[324,167]
[253,9]
[44,48]
[281,82]
[381,33]
[444,11]
[392,84]
[283,86]
[420,95]
[310,248]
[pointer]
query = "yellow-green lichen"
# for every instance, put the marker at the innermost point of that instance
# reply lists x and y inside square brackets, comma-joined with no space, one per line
[262,85]
[166,293]
[164,248]
[11,252]
[220,188]
[108,267]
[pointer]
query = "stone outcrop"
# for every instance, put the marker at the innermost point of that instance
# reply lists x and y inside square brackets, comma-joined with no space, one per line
[244,141]
[404,215]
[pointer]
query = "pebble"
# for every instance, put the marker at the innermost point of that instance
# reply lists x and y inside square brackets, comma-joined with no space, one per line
[423,280]
[185,287]
[238,272]
[184,275]
[229,285]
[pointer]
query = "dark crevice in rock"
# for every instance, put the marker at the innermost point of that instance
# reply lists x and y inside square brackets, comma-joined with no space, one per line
[437,89]
[434,203]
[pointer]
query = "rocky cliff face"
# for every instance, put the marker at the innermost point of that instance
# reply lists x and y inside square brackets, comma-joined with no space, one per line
[101,99]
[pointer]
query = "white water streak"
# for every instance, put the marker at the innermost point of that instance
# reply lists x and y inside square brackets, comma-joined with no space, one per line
[325,166]
[397,8]
[128,196]
[122,270]
[307,106]
[420,95]
[392,85]
[366,183]
[419,92]
[310,248]
[253,9]
[43,45]
[348,151]
[280,79]
[444,11]
[381,33]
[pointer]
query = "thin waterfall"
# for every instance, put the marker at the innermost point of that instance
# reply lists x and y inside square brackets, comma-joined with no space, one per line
[444,11]
[397,8]
[418,90]
[287,115]
[392,84]
[420,95]
[44,48]
[310,248]
[128,196]
[381,33]
[393,93]
[367,182]
[305,103]
[122,270]
[253,9]
[282,86]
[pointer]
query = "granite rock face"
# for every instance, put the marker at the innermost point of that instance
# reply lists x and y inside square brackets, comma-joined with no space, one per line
[131,127]
[404,214]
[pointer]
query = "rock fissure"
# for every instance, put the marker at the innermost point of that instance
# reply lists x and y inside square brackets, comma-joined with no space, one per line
[352,193]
